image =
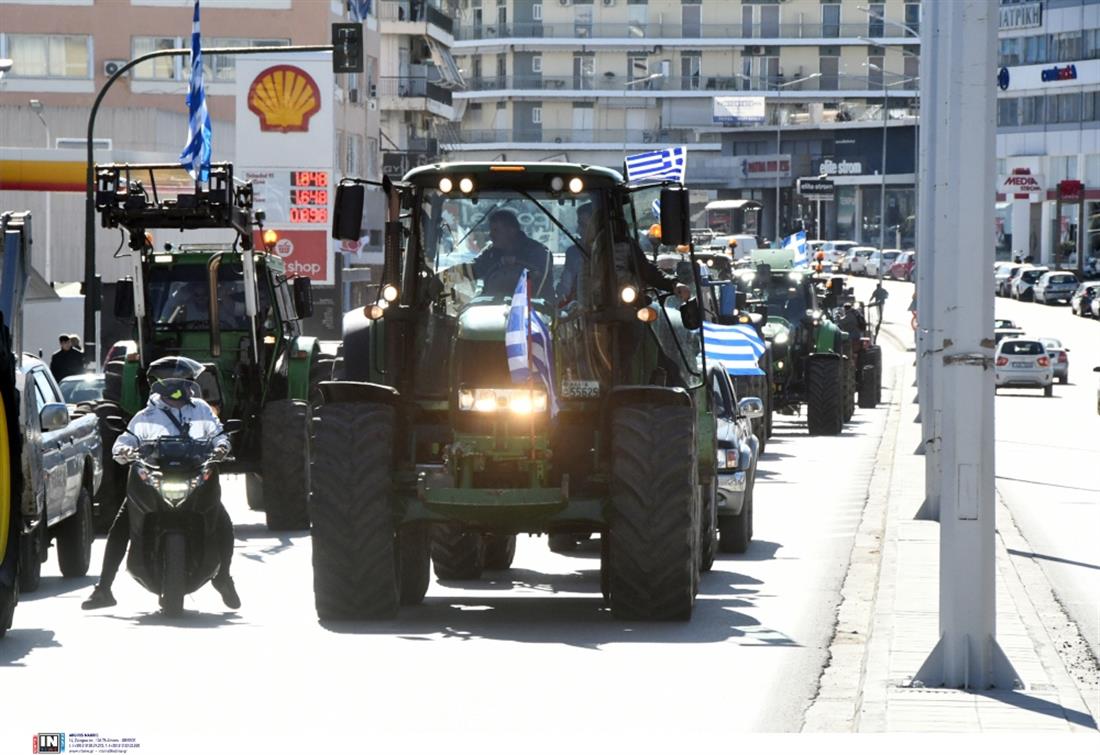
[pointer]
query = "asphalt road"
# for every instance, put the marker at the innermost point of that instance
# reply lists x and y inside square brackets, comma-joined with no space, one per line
[526,660]
[1048,455]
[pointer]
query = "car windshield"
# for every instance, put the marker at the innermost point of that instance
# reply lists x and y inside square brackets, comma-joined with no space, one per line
[179,297]
[1030,348]
[77,389]
[1051,343]
[478,245]
[1062,279]
[1003,324]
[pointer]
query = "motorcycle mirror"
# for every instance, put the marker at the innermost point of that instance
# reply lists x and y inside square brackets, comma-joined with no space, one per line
[118,424]
[690,314]
[233,426]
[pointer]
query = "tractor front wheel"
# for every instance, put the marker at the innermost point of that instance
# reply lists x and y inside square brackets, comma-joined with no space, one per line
[825,395]
[458,553]
[285,464]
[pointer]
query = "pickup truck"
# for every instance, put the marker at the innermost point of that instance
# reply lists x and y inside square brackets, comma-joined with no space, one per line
[62,469]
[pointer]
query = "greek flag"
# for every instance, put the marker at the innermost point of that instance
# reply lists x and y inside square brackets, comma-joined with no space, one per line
[737,347]
[528,344]
[797,241]
[359,9]
[196,153]
[660,165]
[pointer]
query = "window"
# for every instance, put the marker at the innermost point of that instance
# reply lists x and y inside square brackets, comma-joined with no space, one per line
[1034,49]
[502,70]
[1090,108]
[769,21]
[912,17]
[691,64]
[1063,108]
[911,68]
[876,26]
[1010,51]
[48,56]
[637,66]
[746,21]
[829,64]
[159,69]
[536,11]
[1031,111]
[874,77]
[1064,47]
[223,68]
[691,19]
[1007,112]
[582,21]
[1090,44]
[536,64]
[536,115]
[584,71]
[830,20]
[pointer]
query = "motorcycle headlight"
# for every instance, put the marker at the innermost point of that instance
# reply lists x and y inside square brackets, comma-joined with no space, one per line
[176,490]
[519,401]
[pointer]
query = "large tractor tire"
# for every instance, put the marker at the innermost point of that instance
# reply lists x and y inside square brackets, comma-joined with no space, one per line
[458,553]
[414,565]
[849,385]
[320,370]
[254,490]
[500,551]
[825,396]
[654,522]
[875,356]
[868,386]
[563,542]
[285,464]
[74,538]
[355,541]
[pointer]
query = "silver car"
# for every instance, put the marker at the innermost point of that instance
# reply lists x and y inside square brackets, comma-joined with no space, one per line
[1055,287]
[1059,358]
[738,450]
[1023,363]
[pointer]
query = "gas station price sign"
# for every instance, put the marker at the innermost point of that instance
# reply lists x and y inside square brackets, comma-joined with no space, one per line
[309,196]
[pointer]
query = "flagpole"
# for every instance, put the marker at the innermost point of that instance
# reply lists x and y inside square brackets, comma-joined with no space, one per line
[530,372]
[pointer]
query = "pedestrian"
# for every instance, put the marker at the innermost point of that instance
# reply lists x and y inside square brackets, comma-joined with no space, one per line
[66,361]
[878,298]
[913,309]
[74,339]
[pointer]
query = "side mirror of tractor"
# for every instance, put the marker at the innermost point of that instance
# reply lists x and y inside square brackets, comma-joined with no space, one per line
[347,216]
[232,426]
[303,297]
[675,216]
[124,299]
[690,315]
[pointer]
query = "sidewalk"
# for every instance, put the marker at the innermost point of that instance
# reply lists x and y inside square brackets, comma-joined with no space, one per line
[888,619]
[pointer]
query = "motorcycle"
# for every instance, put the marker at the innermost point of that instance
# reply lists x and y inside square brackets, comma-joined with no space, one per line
[173,496]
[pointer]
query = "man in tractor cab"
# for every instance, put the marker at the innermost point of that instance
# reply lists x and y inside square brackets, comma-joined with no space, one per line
[571,272]
[510,252]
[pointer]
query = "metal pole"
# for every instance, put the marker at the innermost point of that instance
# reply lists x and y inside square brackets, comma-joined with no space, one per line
[778,151]
[1082,233]
[960,142]
[91,305]
[882,190]
[36,106]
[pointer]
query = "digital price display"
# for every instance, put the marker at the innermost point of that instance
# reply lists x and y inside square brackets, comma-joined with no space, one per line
[309,197]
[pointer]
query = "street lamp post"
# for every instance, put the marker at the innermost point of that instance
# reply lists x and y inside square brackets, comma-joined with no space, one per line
[779,141]
[47,269]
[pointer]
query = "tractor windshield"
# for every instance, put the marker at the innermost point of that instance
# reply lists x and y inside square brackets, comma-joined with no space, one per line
[786,294]
[179,297]
[479,245]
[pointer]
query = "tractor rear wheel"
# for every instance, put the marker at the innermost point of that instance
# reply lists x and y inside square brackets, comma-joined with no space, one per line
[655,510]
[285,464]
[849,384]
[458,553]
[414,567]
[254,490]
[500,551]
[870,379]
[355,552]
[825,391]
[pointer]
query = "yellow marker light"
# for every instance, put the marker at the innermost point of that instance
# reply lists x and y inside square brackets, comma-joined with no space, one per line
[446,185]
[383,304]
[629,294]
[161,258]
[466,185]
[389,292]
[647,314]
[374,312]
[506,168]
[270,237]
[576,185]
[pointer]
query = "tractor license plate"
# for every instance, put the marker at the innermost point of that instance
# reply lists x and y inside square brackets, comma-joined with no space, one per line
[580,389]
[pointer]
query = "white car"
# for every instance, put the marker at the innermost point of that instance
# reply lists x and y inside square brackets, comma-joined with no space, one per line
[1059,358]
[856,261]
[879,263]
[1023,363]
[1055,286]
[1023,284]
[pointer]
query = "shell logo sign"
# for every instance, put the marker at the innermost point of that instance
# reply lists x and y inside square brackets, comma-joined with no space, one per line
[284,97]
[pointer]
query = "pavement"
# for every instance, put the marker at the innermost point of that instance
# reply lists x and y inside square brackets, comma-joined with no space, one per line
[887,622]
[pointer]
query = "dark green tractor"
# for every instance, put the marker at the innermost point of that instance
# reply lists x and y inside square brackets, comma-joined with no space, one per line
[429,451]
[810,355]
[228,305]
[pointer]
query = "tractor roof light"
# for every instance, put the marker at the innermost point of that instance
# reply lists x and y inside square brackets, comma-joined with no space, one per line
[628,294]
[389,293]
[557,183]
[576,185]
[270,239]
[446,185]
[466,185]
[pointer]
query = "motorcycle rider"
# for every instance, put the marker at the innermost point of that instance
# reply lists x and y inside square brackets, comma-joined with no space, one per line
[173,409]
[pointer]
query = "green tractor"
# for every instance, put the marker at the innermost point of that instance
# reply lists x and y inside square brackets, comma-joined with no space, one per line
[227,305]
[429,451]
[810,356]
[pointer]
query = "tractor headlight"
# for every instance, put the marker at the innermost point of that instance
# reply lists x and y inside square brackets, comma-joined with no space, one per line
[628,294]
[519,401]
[782,339]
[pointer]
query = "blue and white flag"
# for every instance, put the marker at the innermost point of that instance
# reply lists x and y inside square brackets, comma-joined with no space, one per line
[660,165]
[528,344]
[196,153]
[797,242]
[359,9]
[738,348]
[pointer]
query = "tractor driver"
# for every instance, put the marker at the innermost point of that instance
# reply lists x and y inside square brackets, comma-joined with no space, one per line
[510,252]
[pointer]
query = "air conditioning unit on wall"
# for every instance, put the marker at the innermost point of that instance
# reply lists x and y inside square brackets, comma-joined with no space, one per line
[110,67]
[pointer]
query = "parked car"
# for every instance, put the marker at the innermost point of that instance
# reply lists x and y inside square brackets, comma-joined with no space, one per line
[1081,301]
[855,262]
[1023,284]
[903,266]
[1023,363]
[1006,329]
[1059,358]
[62,469]
[738,450]
[1004,276]
[86,387]
[879,263]
[1095,306]
[1055,286]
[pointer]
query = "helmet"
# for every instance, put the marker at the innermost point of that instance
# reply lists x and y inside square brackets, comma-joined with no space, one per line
[174,377]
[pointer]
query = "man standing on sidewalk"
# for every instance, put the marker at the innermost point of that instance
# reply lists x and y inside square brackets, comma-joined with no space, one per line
[66,360]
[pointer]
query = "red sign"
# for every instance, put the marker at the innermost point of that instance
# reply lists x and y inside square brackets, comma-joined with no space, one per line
[1071,191]
[305,253]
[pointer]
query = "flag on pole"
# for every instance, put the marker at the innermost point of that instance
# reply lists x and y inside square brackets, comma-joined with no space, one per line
[359,9]
[738,348]
[668,164]
[528,345]
[196,152]
[797,242]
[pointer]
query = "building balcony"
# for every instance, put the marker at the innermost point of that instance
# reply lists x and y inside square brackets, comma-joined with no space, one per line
[415,93]
[412,18]
[456,139]
[549,86]
[675,34]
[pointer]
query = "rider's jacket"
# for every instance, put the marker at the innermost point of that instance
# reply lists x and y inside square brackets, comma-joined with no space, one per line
[157,420]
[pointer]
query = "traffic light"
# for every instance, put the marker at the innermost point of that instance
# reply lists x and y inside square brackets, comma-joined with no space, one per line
[347,48]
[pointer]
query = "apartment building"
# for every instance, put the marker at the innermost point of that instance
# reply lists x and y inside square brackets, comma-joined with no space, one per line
[63,52]
[1048,126]
[593,80]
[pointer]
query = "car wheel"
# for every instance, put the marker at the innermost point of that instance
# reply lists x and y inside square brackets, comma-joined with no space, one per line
[1064,379]
[1048,391]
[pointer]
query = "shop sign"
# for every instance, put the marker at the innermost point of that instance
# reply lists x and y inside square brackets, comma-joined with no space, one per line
[1021,184]
[1023,16]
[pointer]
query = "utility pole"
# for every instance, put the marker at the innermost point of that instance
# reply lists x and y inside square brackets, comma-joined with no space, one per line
[959,97]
